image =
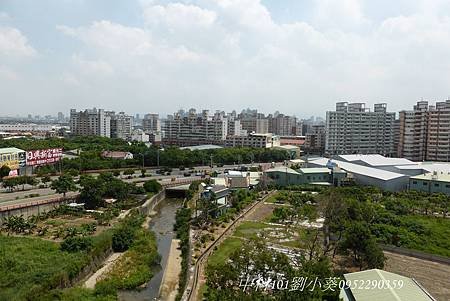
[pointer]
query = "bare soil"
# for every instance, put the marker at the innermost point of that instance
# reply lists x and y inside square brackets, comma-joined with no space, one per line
[433,276]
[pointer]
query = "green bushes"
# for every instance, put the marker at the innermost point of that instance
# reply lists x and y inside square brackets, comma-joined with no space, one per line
[76,244]
[31,267]
[122,239]
[134,267]
[152,186]
[182,228]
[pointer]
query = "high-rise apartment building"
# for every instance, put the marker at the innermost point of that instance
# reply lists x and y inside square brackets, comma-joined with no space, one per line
[255,125]
[438,138]
[121,125]
[315,139]
[283,125]
[90,122]
[425,132]
[413,132]
[151,123]
[354,129]
[194,129]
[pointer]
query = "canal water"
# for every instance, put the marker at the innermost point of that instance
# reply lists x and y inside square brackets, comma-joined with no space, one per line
[162,225]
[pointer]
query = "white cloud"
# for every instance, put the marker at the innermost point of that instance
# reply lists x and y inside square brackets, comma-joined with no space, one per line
[232,53]
[14,43]
[342,14]
[178,16]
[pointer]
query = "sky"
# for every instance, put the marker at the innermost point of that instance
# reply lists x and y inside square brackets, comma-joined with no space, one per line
[299,57]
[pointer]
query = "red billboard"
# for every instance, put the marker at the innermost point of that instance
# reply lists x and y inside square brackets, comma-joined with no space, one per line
[43,156]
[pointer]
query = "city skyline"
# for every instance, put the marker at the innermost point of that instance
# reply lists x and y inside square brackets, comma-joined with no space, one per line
[157,56]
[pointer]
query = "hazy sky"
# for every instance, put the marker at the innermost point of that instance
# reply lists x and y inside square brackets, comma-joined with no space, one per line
[295,56]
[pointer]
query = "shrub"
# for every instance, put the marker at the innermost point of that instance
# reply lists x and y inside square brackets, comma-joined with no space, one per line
[122,239]
[76,244]
[152,186]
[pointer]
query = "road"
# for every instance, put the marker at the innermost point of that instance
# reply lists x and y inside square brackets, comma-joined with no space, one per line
[193,286]
[22,196]
[8,199]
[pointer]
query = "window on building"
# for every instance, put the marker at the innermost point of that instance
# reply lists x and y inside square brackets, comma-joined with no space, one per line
[414,182]
[425,183]
[436,185]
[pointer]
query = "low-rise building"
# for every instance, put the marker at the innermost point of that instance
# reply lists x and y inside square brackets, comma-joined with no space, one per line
[285,176]
[433,182]
[237,179]
[380,285]
[293,150]
[253,140]
[364,175]
[117,155]
[14,158]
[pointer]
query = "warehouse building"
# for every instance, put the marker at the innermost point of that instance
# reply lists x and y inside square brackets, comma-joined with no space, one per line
[369,176]
[431,183]
[285,176]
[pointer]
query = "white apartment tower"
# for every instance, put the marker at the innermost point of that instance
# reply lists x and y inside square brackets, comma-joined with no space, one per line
[354,129]
[195,129]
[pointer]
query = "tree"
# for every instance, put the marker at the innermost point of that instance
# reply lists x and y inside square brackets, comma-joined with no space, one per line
[45,180]
[64,184]
[10,183]
[362,245]
[4,171]
[152,186]
[129,172]
[92,192]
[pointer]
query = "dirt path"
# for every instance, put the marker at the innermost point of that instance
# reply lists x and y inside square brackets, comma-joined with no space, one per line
[169,285]
[109,262]
[198,277]
[434,277]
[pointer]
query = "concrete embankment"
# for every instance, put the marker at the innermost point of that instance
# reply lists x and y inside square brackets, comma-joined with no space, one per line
[169,284]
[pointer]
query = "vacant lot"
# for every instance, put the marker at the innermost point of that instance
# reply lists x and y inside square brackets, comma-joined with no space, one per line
[434,277]
[30,267]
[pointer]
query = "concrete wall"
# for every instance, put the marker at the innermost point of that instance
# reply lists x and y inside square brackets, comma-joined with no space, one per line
[152,202]
[32,209]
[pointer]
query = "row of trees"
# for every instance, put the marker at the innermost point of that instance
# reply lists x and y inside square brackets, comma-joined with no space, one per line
[89,151]
[14,182]
[93,190]
[277,275]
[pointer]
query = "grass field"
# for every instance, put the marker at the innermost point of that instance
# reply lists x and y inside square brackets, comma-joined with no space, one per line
[226,248]
[436,240]
[249,229]
[30,267]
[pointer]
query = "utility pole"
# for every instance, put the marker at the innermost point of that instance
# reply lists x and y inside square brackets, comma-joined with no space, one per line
[157,157]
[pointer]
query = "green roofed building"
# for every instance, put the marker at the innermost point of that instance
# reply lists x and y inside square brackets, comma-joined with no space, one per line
[379,285]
